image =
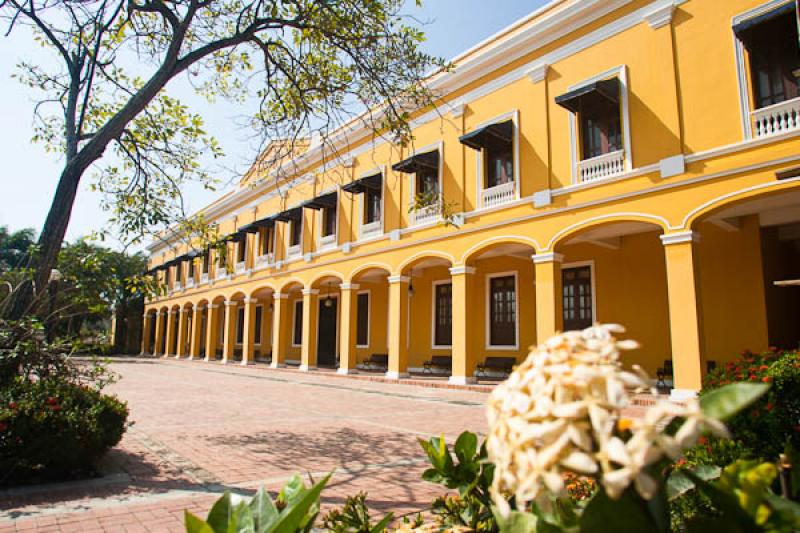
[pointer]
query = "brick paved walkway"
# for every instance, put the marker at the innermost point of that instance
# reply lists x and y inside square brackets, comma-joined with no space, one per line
[201,428]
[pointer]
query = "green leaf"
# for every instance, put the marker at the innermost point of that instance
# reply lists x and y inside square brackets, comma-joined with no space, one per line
[628,514]
[264,511]
[466,447]
[195,524]
[383,524]
[726,401]
[678,483]
[789,510]
[727,503]
[220,514]
[517,522]
[293,515]
[242,520]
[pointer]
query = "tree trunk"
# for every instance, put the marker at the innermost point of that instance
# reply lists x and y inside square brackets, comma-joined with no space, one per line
[50,241]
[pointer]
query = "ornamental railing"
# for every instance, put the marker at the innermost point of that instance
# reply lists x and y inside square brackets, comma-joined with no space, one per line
[498,195]
[777,118]
[602,166]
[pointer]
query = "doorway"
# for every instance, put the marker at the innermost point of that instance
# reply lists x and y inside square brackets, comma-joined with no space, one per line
[326,340]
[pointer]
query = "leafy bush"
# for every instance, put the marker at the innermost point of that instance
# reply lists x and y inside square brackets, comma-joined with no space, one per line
[471,475]
[295,509]
[50,429]
[54,420]
[354,517]
[774,420]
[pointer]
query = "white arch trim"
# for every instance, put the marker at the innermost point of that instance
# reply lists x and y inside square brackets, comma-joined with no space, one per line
[706,206]
[429,253]
[660,221]
[363,268]
[509,239]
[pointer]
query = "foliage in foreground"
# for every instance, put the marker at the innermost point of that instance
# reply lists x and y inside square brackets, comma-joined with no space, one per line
[295,509]
[773,422]
[55,422]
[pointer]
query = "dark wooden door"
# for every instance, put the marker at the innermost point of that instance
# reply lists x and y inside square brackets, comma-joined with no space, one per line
[577,289]
[326,341]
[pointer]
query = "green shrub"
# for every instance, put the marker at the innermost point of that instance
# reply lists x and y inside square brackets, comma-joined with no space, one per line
[294,510]
[354,517]
[52,429]
[773,421]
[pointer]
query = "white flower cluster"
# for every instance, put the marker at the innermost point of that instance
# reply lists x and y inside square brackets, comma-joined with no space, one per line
[561,410]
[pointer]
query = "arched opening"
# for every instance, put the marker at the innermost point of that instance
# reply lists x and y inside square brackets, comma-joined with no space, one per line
[749,273]
[326,301]
[233,328]
[370,333]
[429,334]
[216,327]
[264,312]
[502,306]
[173,319]
[615,272]
[291,334]
[149,330]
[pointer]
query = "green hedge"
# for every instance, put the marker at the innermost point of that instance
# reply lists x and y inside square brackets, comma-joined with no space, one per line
[774,420]
[51,429]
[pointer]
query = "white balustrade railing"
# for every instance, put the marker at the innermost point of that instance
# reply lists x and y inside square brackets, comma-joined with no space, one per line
[176,286]
[602,166]
[189,283]
[266,259]
[294,251]
[370,230]
[777,118]
[221,273]
[328,241]
[428,214]
[240,267]
[204,277]
[498,195]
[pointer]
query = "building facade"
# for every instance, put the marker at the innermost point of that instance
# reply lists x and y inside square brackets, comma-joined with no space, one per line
[626,161]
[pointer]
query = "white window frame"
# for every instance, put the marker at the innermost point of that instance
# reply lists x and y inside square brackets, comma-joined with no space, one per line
[487,311]
[435,284]
[620,72]
[479,169]
[578,264]
[377,170]
[288,237]
[439,147]
[294,323]
[319,245]
[369,322]
[745,90]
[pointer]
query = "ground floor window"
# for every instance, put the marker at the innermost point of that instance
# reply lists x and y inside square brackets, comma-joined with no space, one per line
[240,326]
[259,317]
[443,314]
[362,320]
[577,297]
[503,311]
[297,333]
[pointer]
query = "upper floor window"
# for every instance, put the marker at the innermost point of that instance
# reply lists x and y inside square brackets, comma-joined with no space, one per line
[206,261]
[241,248]
[426,192]
[265,238]
[328,221]
[370,188]
[495,144]
[191,268]
[295,232]
[599,110]
[771,42]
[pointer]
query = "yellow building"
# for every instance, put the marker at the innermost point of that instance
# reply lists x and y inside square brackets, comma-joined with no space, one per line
[628,161]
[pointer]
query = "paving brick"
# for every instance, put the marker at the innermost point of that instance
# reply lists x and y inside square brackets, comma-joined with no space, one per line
[199,427]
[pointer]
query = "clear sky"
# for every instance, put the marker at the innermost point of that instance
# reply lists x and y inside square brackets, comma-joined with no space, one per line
[28,175]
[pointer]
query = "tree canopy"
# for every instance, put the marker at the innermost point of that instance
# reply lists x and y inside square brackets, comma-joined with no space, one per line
[312,65]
